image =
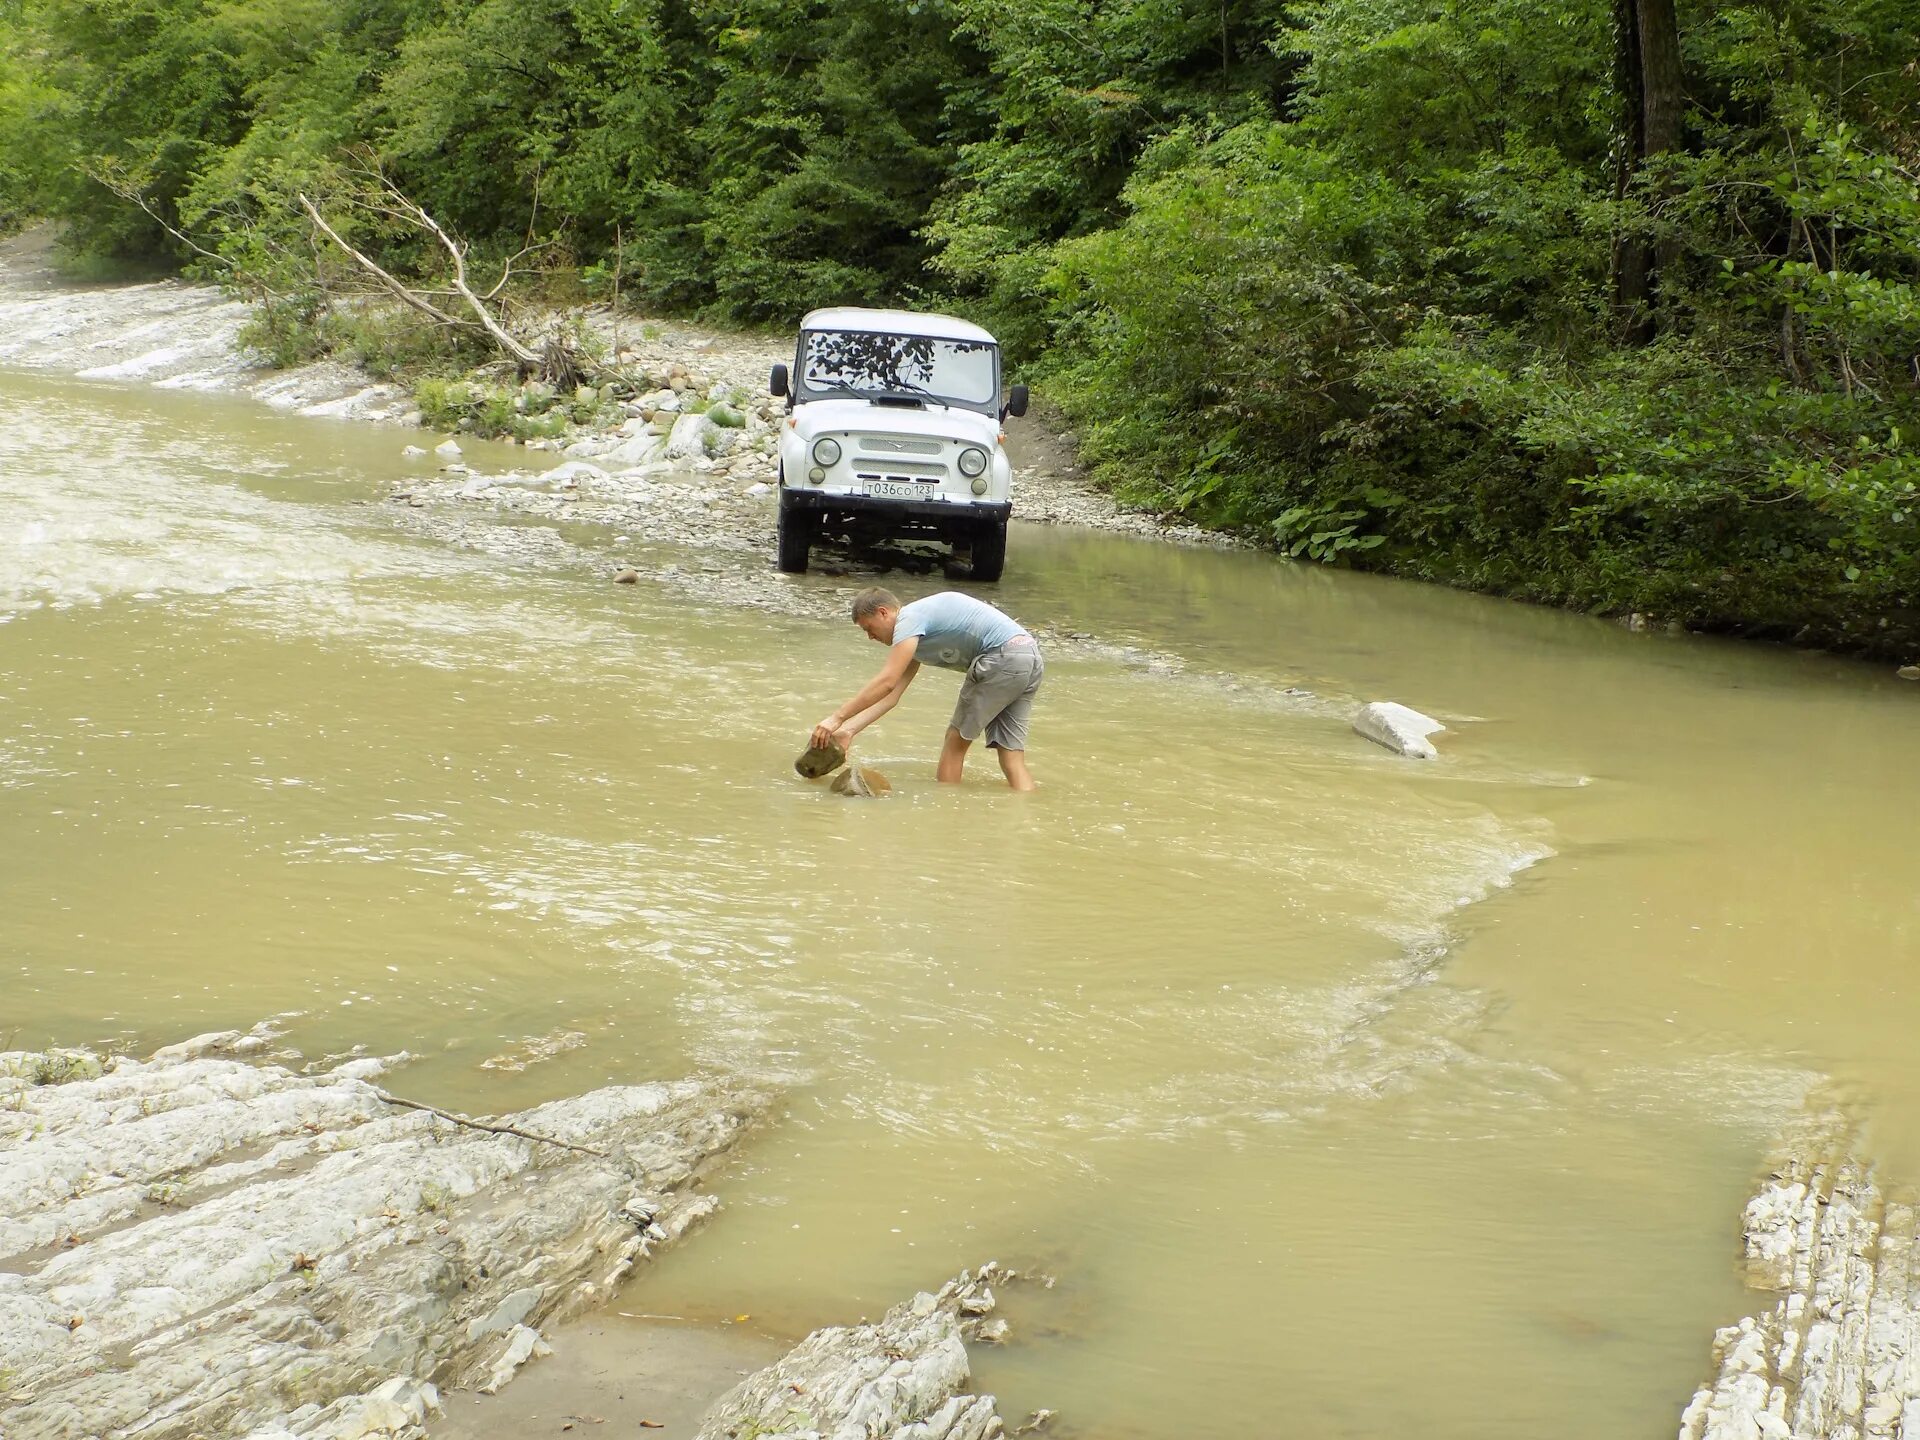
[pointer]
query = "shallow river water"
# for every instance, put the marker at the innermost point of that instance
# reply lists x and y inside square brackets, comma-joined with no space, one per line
[1344,1095]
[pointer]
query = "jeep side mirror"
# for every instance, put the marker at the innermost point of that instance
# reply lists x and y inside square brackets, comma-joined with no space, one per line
[1016,402]
[778,383]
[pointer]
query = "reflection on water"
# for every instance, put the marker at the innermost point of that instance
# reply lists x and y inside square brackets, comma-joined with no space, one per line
[1347,1096]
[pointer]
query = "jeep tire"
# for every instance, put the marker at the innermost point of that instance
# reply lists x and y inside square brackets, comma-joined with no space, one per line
[795,532]
[990,550]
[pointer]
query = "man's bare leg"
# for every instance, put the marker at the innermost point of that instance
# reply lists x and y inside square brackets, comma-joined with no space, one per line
[953,757]
[1013,765]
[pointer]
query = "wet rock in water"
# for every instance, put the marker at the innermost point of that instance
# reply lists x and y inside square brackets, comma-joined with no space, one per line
[448,450]
[413,452]
[859,780]
[201,1245]
[903,1378]
[628,576]
[1837,1354]
[818,760]
[1908,672]
[1400,728]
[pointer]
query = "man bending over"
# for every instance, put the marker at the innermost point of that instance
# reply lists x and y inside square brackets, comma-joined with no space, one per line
[956,632]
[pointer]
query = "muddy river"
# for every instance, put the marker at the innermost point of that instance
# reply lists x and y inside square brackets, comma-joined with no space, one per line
[1344,1095]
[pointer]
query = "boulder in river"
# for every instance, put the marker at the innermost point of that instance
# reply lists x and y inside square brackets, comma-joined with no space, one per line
[1400,728]
[1908,672]
[202,1245]
[862,781]
[448,450]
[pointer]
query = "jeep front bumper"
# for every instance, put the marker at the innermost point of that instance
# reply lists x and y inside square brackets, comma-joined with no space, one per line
[926,512]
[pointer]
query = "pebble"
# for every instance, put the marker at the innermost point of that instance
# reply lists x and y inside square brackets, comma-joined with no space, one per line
[1908,672]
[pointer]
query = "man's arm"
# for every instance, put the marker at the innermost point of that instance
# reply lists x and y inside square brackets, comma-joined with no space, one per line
[899,671]
[879,707]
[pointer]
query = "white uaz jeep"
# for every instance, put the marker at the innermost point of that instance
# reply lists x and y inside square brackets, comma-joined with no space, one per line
[893,428]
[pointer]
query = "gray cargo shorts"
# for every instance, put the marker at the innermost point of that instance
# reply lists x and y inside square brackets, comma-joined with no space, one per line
[997,695]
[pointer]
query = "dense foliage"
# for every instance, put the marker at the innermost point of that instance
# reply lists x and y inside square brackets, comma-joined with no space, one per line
[1403,283]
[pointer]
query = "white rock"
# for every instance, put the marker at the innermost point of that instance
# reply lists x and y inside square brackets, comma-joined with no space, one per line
[448,450]
[755,491]
[523,1344]
[572,473]
[693,436]
[903,1378]
[1401,729]
[642,449]
[413,452]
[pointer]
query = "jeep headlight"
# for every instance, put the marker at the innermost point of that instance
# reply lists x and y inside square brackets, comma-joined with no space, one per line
[826,450]
[973,461]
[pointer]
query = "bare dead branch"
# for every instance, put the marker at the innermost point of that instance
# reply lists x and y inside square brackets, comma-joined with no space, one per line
[473,1124]
[398,290]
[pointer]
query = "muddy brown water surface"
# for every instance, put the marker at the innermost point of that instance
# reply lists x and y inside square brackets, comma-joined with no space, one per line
[1345,1095]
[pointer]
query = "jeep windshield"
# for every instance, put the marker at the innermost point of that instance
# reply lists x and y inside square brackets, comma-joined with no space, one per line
[918,367]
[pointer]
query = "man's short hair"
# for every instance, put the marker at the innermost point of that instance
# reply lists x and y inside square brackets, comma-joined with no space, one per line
[872,601]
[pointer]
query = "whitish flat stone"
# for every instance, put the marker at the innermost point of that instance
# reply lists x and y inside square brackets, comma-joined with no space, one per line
[1400,728]
[448,450]
[903,1378]
[197,1245]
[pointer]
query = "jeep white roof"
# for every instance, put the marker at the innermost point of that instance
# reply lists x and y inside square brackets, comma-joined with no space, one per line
[895,322]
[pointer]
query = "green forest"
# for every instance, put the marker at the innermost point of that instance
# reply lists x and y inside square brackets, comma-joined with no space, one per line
[1606,303]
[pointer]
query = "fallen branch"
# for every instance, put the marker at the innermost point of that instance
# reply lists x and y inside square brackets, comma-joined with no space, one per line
[473,1124]
[557,359]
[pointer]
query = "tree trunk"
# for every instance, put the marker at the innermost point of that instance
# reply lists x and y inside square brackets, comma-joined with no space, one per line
[1653,101]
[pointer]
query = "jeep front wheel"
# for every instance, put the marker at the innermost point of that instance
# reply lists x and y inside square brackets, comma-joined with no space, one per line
[795,535]
[990,550]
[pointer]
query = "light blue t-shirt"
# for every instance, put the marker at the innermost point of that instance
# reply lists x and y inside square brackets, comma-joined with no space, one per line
[953,629]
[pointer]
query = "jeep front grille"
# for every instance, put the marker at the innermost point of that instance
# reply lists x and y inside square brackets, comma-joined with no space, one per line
[888,445]
[899,470]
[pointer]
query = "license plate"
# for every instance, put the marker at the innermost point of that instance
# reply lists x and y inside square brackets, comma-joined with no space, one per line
[895,490]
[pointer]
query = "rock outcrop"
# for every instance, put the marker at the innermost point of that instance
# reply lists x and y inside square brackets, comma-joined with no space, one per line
[199,1245]
[903,1378]
[1837,1356]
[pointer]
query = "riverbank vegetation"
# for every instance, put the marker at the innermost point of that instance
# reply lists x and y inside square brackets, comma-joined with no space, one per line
[1597,302]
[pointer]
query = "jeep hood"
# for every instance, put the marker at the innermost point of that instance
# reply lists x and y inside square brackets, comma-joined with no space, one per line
[820,417]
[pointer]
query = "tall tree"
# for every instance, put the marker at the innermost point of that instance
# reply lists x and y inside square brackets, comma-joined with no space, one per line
[1653,101]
